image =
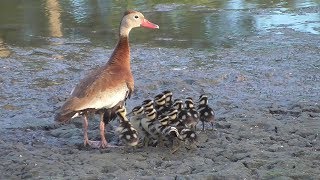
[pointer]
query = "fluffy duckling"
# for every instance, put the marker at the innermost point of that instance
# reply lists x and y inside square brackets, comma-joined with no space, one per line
[135,120]
[174,120]
[206,113]
[150,125]
[127,133]
[178,104]
[191,118]
[169,133]
[159,103]
[188,135]
[183,114]
[169,102]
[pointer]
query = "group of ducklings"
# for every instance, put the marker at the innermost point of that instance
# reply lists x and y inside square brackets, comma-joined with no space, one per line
[163,121]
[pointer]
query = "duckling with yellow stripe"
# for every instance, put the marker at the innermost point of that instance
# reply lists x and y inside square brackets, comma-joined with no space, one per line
[206,113]
[127,133]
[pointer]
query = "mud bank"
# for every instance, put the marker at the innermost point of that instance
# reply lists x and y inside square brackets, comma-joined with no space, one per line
[265,92]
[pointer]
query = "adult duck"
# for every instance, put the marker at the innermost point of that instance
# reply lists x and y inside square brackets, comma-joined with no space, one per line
[108,86]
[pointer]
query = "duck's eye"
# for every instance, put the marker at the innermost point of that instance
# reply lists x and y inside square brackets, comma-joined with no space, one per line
[136,17]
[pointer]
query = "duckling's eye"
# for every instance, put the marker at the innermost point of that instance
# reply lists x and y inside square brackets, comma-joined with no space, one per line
[136,17]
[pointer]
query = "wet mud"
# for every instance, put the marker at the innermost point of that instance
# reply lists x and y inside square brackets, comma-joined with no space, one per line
[264,90]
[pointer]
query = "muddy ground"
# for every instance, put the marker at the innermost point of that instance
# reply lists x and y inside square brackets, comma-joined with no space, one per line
[265,93]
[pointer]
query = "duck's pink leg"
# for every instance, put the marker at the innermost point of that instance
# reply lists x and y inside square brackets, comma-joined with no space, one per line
[93,144]
[104,142]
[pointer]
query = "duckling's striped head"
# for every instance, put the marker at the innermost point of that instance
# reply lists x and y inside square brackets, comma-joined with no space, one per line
[164,119]
[160,99]
[147,104]
[173,113]
[178,104]
[203,100]
[189,103]
[168,95]
[138,110]
[151,114]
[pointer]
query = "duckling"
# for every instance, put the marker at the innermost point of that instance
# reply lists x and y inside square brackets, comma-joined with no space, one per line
[169,133]
[206,113]
[150,125]
[178,104]
[159,103]
[147,105]
[135,120]
[192,116]
[183,114]
[127,133]
[169,102]
[189,136]
[174,120]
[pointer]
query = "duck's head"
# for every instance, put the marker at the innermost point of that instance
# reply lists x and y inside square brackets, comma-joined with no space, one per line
[132,19]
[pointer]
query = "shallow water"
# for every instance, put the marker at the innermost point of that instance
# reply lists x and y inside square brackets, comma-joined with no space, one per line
[196,24]
[211,46]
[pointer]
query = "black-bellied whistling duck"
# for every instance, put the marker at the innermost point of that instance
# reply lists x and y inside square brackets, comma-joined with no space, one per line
[107,86]
[206,113]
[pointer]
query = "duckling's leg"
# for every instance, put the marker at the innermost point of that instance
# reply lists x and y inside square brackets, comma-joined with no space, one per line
[212,126]
[161,142]
[146,141]
[194,127]
[202,125]
[175,149]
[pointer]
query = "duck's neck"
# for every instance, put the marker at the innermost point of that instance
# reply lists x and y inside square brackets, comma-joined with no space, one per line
[121,54]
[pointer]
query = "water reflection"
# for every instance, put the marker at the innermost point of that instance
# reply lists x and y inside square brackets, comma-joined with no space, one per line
[54,13]
[184,24]
[80,10]
[4,51]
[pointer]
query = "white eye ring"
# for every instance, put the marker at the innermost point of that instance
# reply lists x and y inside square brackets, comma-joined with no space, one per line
[136,16]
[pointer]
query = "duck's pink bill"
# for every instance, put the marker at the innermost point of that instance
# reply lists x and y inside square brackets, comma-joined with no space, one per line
[147,24]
